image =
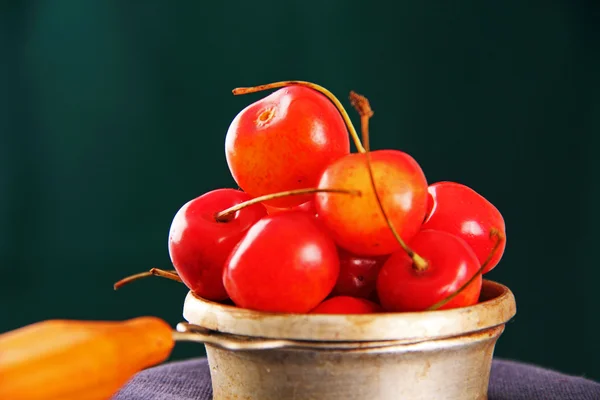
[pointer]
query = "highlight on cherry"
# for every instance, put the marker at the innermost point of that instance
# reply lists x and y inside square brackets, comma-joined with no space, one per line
[314,227]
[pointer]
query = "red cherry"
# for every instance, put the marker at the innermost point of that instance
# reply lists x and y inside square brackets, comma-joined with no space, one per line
[285,263]
[358,274]
[450,264]
[356,223]
[199,245]
[346,305]
[284,142]
[374,297]
[459,210]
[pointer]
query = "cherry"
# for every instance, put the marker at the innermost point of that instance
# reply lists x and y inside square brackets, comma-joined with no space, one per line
[199,243]
[459,210]
[284,263]
[358,274]
[346,305]
[357,223]
[284,141]
[309,207]
[451,263]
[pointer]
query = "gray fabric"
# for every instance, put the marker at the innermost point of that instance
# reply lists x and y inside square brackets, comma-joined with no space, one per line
[190,380]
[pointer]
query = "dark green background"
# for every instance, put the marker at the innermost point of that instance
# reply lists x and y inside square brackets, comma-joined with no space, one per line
[113,114]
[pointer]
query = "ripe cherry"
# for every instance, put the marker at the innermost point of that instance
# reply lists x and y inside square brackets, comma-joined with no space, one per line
[358,274]
[459,210]
[450,264]
[285,263]
[284,142]
[346,305]
[356,223]
[199,244]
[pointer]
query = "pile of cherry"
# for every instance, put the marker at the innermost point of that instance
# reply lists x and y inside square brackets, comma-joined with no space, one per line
[307,232]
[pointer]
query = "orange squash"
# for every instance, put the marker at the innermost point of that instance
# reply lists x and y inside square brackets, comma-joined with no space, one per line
[79,360]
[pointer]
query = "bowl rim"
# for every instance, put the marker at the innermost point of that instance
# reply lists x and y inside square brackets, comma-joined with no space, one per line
[496,307]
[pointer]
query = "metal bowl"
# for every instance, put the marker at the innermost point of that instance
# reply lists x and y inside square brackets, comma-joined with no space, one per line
[432,355]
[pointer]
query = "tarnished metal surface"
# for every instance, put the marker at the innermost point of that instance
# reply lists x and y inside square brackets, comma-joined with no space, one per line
[451,360]
[498,306]
[193,333]
[449,369]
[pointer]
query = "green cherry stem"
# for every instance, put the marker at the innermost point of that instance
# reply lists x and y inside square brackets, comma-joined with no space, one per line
[363,107]
[153,272]
[494,233]
[225,215]
[318,88]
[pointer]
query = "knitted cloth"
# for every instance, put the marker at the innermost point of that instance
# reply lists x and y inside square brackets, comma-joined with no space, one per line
[190,380]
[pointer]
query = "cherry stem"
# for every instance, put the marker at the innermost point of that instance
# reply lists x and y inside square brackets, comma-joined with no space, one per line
[318,88]
[224,216]
[153,272]
[494,233]
[363,107]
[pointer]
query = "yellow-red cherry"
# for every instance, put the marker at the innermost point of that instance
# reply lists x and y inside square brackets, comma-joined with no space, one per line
[284,142]
[199,244]
[461,211]
[401,286]
[356,222]
[346,305]
[285,263]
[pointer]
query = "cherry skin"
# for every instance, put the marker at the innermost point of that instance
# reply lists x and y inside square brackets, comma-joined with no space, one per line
[284,142]
[459,210]
[358,274]
[451,263]
[346,305]
[199,245]
[285,263]
[356,222]
[309,207]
